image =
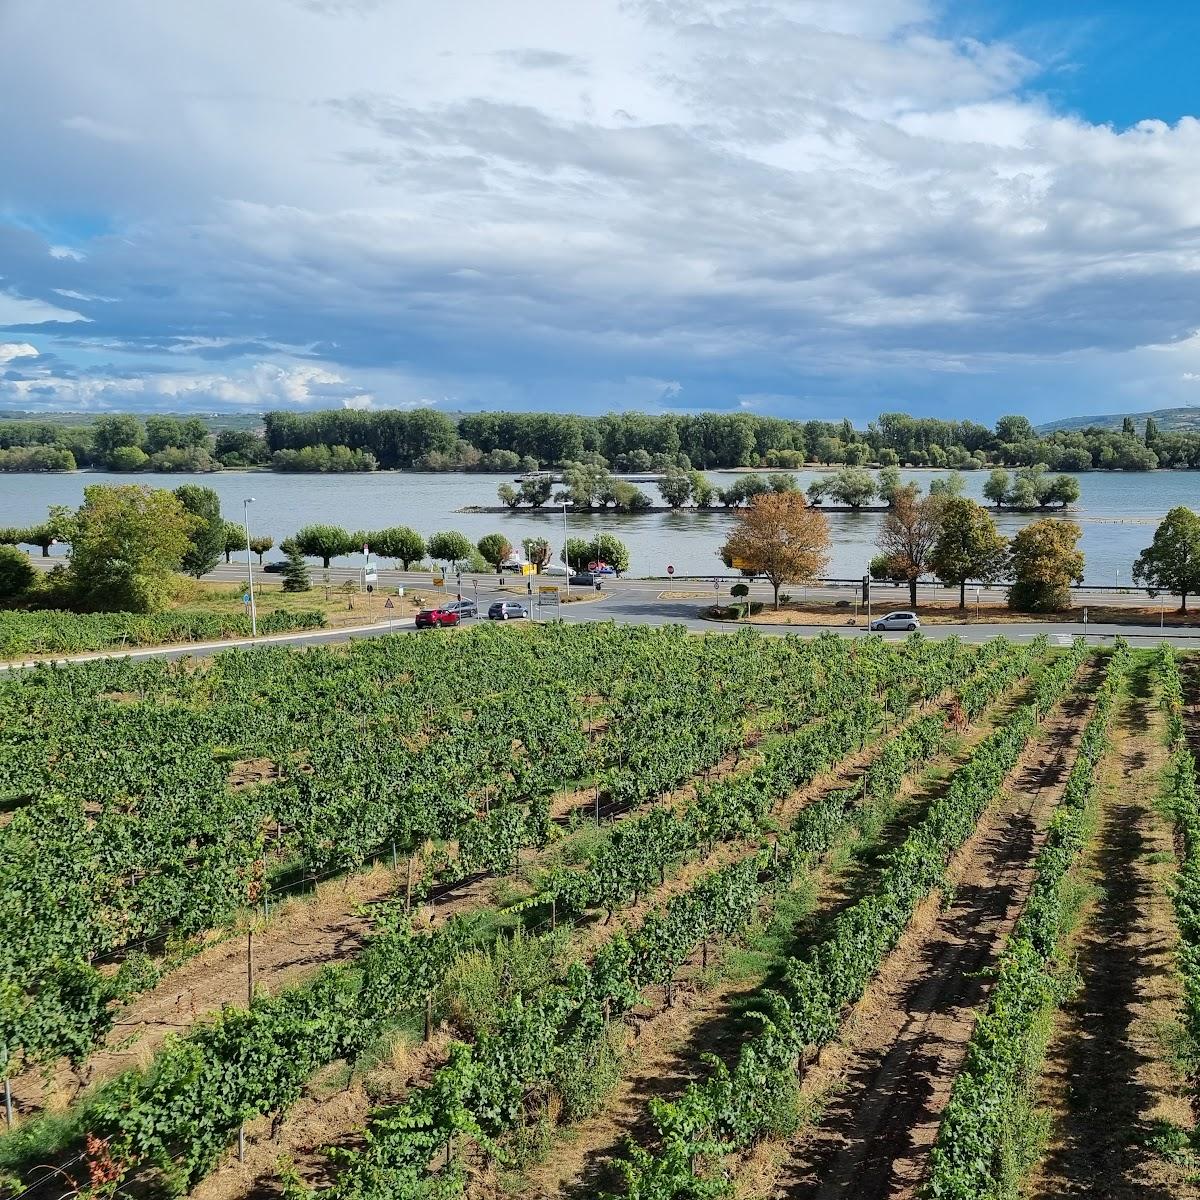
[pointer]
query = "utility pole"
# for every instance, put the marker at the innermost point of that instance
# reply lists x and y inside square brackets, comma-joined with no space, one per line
[250,565]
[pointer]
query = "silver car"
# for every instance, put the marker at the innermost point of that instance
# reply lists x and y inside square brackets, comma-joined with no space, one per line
[507,610]
[464,608]
[907,621]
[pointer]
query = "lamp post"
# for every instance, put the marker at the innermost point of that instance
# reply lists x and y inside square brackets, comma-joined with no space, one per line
[249,500]
[566,563]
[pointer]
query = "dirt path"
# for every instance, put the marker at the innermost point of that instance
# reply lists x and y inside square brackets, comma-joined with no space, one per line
[893,1073]
[1106,1079]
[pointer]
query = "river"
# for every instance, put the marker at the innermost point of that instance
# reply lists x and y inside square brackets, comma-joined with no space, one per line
[1116,511]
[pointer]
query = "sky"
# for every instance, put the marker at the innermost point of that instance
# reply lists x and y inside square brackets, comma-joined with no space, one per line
[807,208]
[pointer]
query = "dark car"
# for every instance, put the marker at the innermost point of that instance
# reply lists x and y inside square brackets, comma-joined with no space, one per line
[585,579]
[429,618]
[507,610]
[464,608]
[275,568]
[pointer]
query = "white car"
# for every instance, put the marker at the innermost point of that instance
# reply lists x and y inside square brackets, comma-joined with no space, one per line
[897,620]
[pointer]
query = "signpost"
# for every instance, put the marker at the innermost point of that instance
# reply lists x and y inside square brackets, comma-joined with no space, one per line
[670,569]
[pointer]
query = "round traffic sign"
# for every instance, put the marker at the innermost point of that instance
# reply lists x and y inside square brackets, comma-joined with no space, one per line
[670,569]
[370,587]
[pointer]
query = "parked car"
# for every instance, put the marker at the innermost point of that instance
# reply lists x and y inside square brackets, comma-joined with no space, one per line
[554,569]
[275,568]
[429,618]
[464,608]
[897,620]
[585,579]
[507,610]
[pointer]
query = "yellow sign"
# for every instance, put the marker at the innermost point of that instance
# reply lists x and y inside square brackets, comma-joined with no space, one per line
[439,582]
[740,564]
[551,590]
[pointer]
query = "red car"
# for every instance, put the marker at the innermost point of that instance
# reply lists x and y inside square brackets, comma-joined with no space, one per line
[427,618]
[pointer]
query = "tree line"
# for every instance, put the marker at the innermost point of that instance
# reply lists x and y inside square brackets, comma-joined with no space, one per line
[342,440]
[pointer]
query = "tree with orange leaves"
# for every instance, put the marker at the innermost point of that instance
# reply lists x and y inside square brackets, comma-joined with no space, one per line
[780,537]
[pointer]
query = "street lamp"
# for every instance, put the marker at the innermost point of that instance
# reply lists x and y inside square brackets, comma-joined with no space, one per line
[249,500]
[566,563]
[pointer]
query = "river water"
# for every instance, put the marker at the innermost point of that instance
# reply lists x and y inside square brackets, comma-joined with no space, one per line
[1116,511]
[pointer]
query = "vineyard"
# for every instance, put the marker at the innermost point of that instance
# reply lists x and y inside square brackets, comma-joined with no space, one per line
[599,910]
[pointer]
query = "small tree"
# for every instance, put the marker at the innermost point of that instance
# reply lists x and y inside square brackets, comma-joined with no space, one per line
[495,548]
[537,551]
[260,545]
[968,546]
[1172,560]
[852,486]
[295,573]
[508,495]
[907,536]
[537,491]
[675,487]
[997,486]
[235,538]
[950,484]
[325,542]
[704,494]
[17,573]
[1044,562]
[450,547]
[781,537]
[889,484]
[400,542]
[208,541]
[604,547]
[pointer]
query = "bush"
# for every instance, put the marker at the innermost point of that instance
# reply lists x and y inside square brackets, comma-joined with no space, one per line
[17,573]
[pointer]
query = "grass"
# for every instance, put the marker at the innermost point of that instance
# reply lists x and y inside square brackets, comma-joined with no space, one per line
[340,608]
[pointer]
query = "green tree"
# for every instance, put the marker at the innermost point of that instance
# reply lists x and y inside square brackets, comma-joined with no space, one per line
[208,539]
[127,459]
[17,573]
[508,495]
[1151,434]
[1044,562]
[295,573]
[1014,429]
[450,547]
[399,542]
[889,484]
[851,486]
[1128,427]
[675,486]
[260,545]
[130,541]
[537,551]
[495,548]
[704,493]
[1062,489]
[235,538]
[1172,560]
[325,542]
[950,484]
[968,546]
[997,486]
[114,433]
[58,529]
[536,492]
[603,547]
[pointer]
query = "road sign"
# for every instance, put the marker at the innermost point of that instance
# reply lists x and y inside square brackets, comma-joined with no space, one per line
[547,589]
[388,603]
[370,588]
[245,597]
[371,577]
[439,582]
[740,564]
[670,569]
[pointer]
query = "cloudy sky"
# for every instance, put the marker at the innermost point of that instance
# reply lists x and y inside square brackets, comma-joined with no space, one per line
[803,207]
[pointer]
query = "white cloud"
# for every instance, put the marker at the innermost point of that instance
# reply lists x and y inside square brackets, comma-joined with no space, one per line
[12,350]
[19,310]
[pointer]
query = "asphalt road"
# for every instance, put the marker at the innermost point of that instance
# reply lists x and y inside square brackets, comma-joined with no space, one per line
[639,601]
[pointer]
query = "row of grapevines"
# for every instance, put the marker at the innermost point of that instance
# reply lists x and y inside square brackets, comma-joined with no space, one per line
[481,1093]
[974,1141]
[734,1107]
[1184,798]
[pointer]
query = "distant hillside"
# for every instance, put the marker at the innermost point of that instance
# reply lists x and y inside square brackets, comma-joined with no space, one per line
[1167,419]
